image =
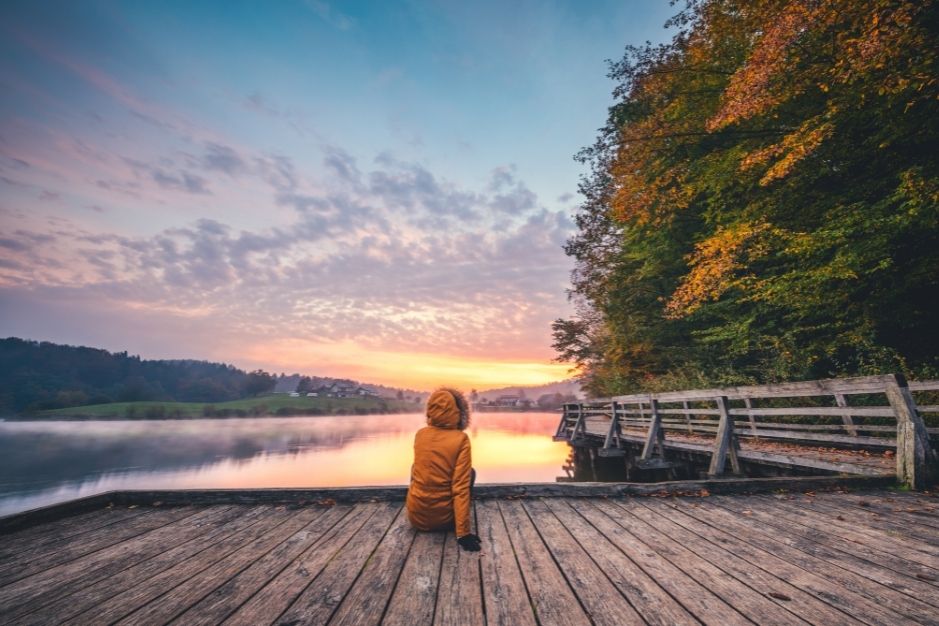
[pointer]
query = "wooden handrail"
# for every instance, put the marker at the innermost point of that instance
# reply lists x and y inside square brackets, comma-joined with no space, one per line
[915,458]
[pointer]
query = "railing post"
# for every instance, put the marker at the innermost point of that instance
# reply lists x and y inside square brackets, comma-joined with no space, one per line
[846,419]
[725,444]
[684,405]
[749,405]
[915,458]
[655,435]
[614,432]
[562,425]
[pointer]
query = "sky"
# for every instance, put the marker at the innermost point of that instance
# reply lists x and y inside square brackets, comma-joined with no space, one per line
[372,190]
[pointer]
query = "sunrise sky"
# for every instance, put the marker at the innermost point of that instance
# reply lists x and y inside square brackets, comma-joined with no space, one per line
[374,190]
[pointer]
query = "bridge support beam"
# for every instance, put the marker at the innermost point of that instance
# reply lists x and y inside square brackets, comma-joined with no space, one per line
[916,460]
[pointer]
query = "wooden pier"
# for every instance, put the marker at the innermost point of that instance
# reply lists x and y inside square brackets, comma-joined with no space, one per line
[868,426]
[868,557]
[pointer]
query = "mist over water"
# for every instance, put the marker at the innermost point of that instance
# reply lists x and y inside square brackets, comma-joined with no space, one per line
[46,462]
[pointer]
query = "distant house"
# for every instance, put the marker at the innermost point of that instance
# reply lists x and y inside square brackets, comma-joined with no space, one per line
[343,390]
[508,400]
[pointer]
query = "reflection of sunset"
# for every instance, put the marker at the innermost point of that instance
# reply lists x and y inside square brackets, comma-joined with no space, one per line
[498,456]
[412,370]
[81,458]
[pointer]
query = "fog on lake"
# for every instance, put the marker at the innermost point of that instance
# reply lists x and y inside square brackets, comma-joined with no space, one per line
[43,462]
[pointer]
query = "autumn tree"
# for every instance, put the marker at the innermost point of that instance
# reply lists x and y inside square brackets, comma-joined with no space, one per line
[762,202]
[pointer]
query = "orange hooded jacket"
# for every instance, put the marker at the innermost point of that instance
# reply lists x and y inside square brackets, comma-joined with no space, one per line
[440,478]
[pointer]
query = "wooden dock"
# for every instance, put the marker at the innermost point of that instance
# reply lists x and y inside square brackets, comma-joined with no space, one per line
[867,426]
[823,558]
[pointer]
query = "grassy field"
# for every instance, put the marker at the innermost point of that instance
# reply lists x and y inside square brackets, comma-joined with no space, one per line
[264,405]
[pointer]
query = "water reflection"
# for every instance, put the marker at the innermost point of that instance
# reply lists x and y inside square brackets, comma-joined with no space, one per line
[46,462]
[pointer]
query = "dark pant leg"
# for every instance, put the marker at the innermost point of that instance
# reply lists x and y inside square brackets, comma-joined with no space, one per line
[472,481]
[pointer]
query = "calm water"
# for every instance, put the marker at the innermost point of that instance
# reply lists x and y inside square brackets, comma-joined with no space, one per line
[46,462]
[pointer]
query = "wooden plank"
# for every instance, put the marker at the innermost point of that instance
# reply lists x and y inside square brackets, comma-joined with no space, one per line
[128,601]
[712,547]
[916,459]
[366,601]
[415,595]
[275,597]
[747,402]
[850,592]
[759,520]
[459,599]
[317,603]
[887,542]
[216,606]
[652,602]
[504,593]
[757,607]
[916,510]
[694,597]
[599,597]
[171,604]
[552,598]
[35,560]
[846,418]
[655,435]
[853,595]
[842,410]
[875,520]
[847,386]
[70,577]
[725,443]
[71,605]
[46,533]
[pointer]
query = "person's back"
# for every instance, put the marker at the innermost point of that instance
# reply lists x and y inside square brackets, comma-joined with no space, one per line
[442,474]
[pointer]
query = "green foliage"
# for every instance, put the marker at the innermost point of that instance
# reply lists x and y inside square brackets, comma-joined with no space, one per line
[43,375]
[763,202]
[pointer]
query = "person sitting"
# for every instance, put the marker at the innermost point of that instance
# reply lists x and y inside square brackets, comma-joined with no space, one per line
[442,476]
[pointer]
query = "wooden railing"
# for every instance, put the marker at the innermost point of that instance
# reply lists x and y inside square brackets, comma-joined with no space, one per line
[874,412]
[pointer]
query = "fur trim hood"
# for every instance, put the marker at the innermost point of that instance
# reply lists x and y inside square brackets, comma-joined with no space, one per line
[448,408]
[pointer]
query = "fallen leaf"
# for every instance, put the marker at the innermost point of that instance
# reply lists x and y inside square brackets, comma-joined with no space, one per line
[779,596]
[925,577]
[157,503]
[864,503]
[840,518]
[132,506]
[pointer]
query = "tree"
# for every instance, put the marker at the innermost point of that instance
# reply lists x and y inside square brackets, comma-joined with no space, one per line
[763,201]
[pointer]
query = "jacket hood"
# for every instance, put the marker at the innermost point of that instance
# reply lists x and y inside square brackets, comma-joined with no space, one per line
[447,408]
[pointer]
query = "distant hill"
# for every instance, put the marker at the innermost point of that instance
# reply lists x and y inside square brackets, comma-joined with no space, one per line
[564,387]
[41,376]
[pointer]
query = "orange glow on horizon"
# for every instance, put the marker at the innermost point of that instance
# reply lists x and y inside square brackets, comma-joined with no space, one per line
[347,359]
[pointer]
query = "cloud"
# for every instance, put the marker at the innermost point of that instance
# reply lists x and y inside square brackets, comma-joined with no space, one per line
[181,181]
[392,257]
[222,159]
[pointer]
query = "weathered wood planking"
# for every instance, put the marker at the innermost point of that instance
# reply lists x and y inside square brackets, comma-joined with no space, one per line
[668,560]
[916,461]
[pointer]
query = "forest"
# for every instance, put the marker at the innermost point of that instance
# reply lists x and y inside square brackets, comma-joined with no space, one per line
[43,375]
[761,204]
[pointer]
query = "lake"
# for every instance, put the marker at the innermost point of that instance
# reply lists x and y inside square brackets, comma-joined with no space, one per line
[43,462]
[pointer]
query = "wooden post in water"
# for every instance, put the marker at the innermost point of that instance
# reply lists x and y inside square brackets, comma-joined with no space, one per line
[916,460]
[725,444]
